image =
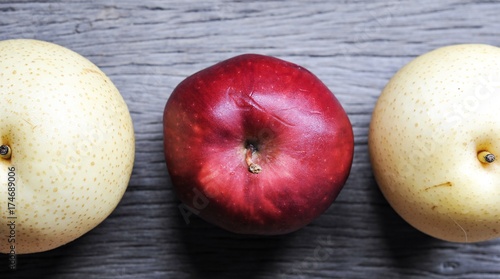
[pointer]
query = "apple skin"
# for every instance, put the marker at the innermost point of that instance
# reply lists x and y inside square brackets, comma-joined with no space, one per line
[429,124]
[302,137]
[72,145]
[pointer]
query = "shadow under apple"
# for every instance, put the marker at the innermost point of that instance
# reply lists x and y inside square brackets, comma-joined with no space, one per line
[212,252]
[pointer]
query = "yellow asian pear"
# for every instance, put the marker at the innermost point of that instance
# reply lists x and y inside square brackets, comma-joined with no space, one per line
[66,146]
[433,140]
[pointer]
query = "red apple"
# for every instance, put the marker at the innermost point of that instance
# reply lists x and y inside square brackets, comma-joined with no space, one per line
[256,145]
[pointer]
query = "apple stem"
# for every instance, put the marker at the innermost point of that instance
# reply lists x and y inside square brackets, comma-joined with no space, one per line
[252,167]
[486,157]
[5,151]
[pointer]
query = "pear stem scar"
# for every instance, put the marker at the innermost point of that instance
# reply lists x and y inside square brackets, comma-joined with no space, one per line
[252,167]
[485,157]
[5,151]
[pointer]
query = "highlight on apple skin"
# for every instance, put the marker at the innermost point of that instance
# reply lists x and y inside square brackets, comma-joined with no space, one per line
[66,146]
[256,145]
[433,141]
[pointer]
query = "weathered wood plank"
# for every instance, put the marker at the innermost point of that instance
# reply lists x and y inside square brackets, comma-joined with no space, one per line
[147,47]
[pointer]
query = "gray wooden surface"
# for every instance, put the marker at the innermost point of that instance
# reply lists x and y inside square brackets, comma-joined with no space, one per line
[147,47]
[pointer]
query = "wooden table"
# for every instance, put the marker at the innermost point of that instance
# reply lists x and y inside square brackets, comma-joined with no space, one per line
[147,47]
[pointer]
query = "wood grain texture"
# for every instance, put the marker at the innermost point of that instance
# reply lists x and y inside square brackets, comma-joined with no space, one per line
[147,47]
